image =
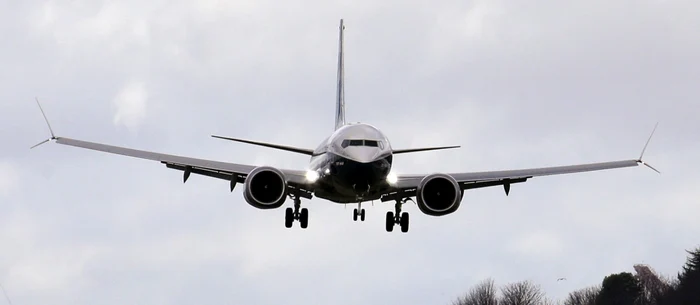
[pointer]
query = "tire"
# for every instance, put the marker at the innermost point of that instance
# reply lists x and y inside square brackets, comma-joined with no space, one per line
[304,218]
[404,222]
[288,217]
[362,215]
[389,221]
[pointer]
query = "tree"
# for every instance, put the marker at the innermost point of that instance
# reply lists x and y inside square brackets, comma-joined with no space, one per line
[653,288]
[619,289]
[644,288]
[548,301]
[585,296]
[483,293]
[688,286]
[521,293]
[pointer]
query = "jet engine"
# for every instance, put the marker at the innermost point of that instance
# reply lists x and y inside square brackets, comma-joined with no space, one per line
[265,188]
[438,195]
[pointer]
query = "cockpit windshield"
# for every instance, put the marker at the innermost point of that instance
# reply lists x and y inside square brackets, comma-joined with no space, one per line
[370,143]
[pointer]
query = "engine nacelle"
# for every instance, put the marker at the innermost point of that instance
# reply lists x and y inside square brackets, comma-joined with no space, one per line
[438,195]
[265,188]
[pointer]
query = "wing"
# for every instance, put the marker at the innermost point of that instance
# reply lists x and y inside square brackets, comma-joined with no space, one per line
[227,171]
[471,180]
[406,185]
[222,170]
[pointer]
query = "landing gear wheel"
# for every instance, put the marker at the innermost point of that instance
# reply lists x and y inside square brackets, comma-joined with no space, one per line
[354,215]
[304,218]
[362,215]
[397,217]
[404,222]
[390,221]
[296,213]
[288,217]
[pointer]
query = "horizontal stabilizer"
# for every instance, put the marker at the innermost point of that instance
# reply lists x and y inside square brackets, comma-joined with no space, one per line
[410,150]
[276,146]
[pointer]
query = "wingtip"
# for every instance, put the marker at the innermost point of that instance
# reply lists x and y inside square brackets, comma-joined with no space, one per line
[641,155]
[640,160]
[652,168]
[648,165]
[42,142]
[53,135]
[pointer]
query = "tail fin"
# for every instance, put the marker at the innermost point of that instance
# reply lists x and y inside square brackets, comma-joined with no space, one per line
[340,91]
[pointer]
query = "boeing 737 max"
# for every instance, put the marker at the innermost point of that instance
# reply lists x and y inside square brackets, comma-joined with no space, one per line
[351,166]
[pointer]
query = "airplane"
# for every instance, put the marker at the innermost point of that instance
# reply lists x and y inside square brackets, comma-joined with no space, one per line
[350,166]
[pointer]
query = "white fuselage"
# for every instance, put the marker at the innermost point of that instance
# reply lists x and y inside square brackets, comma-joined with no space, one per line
[352,164]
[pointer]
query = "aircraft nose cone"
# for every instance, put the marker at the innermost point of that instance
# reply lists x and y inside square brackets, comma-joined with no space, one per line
[363,154]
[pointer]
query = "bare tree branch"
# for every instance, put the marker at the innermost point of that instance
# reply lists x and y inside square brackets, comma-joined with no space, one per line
[483,293]
[654,287]
[548,301]
[586,296]
[521,293]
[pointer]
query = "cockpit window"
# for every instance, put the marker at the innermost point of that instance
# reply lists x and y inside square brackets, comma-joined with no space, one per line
[370,143]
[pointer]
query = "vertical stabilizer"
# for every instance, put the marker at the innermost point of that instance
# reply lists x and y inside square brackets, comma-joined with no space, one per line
[340,90]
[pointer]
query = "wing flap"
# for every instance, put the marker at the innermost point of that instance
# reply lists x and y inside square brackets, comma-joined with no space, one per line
[480,184]
[223,175]
[407,187]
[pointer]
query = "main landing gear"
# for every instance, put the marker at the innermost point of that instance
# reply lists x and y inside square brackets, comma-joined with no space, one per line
[398,217]
[359,211]
[293,214]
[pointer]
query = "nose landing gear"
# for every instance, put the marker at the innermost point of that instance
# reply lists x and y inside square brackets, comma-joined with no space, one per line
[359,211]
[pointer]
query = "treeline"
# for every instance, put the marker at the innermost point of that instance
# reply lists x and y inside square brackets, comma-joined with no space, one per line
[644,287]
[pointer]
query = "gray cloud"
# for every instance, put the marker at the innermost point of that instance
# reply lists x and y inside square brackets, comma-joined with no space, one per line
[517,85]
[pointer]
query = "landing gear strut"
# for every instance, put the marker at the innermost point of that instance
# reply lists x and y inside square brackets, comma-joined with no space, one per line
[359,211]
[398,217]
[293,214]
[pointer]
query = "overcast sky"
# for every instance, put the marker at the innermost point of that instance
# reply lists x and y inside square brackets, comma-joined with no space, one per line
[517,84]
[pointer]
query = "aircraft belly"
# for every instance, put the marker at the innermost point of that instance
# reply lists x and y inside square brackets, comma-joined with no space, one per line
[358,175]
[348,179]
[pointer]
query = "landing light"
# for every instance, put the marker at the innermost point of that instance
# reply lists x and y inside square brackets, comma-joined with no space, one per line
[311,176]
[392,178]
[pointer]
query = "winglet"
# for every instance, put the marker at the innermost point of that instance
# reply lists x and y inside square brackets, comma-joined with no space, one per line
[645,148]
[53,136]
